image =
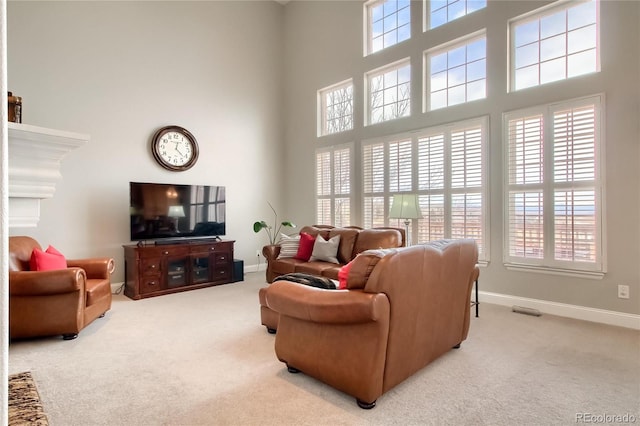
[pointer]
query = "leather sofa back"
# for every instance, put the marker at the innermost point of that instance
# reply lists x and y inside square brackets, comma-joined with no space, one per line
[348,237]
[374,238]
[20,249]
[424,327]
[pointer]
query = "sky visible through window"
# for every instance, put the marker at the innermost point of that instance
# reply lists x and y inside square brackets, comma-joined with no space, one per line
[457,75]
[443,11]
[389,23]
[559,44]
[390,93]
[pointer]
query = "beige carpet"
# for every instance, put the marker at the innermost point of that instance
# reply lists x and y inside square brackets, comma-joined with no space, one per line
[25,408]
[201,358]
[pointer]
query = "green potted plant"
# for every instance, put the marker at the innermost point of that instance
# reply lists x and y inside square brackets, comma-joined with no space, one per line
[260,225]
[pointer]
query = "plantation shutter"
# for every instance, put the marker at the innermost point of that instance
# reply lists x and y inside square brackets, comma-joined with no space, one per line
[574,173]
[431,180]
[333,186]
[342,187]
[554,186]
[467,217]
[525,171]
[323,187]
[373,159]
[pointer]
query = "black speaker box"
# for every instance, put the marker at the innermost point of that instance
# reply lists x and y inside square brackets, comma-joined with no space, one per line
[238,270]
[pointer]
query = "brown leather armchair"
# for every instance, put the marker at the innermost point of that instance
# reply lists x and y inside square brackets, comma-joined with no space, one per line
[48,303]
[402,309]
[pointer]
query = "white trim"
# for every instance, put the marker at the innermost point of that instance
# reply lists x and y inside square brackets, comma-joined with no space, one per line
[585,313]
[554,271]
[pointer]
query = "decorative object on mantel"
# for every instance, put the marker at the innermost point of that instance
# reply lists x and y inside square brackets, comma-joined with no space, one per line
[15,108]
[259,226]
[405,206]
[174,148]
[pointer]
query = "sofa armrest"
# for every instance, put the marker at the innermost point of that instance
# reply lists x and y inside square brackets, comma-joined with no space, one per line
[96,267]
[45,283]
[326,306]
[271,252]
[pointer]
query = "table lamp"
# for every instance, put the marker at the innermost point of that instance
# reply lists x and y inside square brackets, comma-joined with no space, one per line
[405,206]
[176,212]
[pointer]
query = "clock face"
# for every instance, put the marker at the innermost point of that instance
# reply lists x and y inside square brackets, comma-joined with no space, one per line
[175,148]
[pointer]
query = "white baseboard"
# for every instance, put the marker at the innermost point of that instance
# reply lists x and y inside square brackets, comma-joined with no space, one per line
[620,319]
[255,267]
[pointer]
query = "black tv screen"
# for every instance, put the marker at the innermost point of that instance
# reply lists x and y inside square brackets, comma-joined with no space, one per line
[161,211]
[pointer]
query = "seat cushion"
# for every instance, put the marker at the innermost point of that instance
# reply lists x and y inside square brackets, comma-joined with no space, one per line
[97,289]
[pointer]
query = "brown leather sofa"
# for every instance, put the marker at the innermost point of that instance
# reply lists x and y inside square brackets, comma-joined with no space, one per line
[48,303]
[353,240]
[402,309]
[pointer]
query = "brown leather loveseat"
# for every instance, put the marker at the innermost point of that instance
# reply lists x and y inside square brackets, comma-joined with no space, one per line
[55,302]
[402,309]
[353,240]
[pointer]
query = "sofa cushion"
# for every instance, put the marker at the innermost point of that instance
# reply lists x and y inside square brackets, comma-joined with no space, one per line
[362,266]
[97,289]
[377,238]
[315,268]
[306,246]
[48,260]
[326,251]
[348,237]
[288,246]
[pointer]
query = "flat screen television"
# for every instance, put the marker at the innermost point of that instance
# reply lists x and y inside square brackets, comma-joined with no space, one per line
[168,212]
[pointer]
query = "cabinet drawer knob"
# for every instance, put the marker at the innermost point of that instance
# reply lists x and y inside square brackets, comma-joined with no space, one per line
[222,258]
[152,283]
[165,252]
[153,266]
[212,248]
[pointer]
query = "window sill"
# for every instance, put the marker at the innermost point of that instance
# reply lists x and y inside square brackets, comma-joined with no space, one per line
[555,271]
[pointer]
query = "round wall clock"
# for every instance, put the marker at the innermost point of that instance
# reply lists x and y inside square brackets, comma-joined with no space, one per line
[174,148]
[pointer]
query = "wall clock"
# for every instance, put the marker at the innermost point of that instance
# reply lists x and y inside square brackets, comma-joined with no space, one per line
[174,148]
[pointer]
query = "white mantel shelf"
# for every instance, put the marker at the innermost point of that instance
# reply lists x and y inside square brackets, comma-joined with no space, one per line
[35,154]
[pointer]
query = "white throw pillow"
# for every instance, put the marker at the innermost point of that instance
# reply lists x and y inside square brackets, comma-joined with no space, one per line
[325,250]
[288,246]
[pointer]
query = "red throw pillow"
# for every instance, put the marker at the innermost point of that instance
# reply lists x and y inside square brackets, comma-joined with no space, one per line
[306,246]
[48,260]
[343,275]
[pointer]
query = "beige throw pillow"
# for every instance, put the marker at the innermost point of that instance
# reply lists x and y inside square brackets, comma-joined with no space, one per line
[324,250]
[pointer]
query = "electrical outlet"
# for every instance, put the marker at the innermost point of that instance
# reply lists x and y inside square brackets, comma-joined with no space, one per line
[623,291]
[258,252]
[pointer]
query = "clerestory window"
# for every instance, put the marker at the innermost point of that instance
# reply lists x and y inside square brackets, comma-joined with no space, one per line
[554,43]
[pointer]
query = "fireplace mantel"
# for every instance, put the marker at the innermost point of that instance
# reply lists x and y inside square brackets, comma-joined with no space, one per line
[35,154]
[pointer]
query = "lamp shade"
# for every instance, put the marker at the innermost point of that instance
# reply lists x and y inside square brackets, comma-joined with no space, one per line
[405,206]
[176,211]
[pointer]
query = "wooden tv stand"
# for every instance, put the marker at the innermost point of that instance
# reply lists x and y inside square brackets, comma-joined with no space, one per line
[154,270]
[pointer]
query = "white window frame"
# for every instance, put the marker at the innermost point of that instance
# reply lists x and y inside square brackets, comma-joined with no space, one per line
[368,25]
[538,15]
[323,108]
[548,264]
[382,197]
[427,15]
[446,48]
[334,195]
[371,75]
